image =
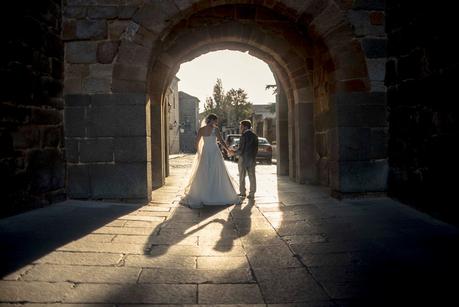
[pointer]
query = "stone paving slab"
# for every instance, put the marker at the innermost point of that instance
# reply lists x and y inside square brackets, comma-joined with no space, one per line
[292,246]
[137,293]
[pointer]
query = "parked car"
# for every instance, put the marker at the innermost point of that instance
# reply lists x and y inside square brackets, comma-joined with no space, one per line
[230,140]
[265,150]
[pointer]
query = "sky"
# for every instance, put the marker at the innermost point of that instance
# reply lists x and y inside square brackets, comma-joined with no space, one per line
[235,69]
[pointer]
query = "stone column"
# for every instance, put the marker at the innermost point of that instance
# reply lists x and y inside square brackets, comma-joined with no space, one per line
[282,135]
[291,143]
[157,144]
[107,146]
[304,142]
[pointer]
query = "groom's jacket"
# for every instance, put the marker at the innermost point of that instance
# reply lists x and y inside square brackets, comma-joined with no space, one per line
[248,148]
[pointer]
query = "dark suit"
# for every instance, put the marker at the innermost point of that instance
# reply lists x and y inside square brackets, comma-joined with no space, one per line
[247,152]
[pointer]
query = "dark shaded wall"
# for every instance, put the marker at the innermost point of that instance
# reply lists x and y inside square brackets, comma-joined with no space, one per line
[422,79]
[32,166]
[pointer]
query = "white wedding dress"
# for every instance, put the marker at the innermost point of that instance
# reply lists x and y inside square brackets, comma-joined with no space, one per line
[209,183]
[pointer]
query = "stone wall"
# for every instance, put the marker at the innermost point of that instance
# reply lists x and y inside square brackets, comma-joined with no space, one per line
[32,167]
[188,121]
[107,125]
[422,74]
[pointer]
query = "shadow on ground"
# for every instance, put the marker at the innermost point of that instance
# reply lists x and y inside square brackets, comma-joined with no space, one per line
[31,235]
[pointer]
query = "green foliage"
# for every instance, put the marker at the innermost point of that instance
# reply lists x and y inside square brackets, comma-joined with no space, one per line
[230,107]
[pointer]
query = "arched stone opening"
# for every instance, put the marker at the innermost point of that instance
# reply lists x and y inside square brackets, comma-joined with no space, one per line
[335,106]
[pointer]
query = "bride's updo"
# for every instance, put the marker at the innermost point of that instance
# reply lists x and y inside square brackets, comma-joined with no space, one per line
[210,118]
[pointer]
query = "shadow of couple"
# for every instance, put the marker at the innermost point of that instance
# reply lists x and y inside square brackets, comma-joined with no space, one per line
[186,222]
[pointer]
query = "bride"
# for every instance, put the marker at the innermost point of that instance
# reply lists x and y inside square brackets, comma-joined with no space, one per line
[209,183]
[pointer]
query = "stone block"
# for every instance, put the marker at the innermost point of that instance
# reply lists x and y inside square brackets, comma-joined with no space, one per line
[126,12]
[379,143]
[46,117]
[26,137]
[52,136]
[363,176]
[75,122]
[78,182]
[376,69]
[91,29]
[128,86]
[77,100]
[93,85]
[363,25]
[75,11]
[375,47]
[116,28]
[354,143]
[46,169]
[368,4]
[133,54]
[96,150]
[121,180]
[132,149]
[118,99]
[71,150]
[359,98]
[102,12]
[102,121]
[101,71]
[106,51]
[230,294]
[39,292]
[132,293]
[131,120]
[129,72]
[81,52]
[361,115]
[292,285]
[155,15]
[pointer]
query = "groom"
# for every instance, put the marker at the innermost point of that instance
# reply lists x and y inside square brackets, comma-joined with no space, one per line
[247,152]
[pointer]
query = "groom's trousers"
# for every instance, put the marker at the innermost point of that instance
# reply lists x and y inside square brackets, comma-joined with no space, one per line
[243,171]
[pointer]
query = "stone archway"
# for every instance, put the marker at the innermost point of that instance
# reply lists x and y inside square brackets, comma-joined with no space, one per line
[319,51]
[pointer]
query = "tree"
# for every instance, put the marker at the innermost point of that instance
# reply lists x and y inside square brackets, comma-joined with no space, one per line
[242,108]
[230,108]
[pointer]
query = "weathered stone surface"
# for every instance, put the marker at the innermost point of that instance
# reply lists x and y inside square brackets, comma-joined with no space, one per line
[91,29]
[75,121]
[375,47]
[82,274]
[195,276]
[81,52]
[171,262]
[358,176]
[102,12]
[364,25]
[40,292]
[93,85]
[101,71]
[145,293]
[97,150]
[106,51]
[72,258]
[132,149]
[289,285]
[221,263]
[128,180]
[229,293]
[78,184]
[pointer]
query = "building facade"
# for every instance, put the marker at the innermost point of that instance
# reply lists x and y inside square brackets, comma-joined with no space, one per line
[189,121]
[172,104]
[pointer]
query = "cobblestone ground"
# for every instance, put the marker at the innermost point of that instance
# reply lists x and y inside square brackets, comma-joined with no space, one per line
[292,246]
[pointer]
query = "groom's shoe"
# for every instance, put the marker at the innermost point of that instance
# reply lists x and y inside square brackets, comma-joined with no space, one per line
[241,195]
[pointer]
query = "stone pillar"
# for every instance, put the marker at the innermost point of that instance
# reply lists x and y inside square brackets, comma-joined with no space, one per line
[360,151]
[304,142]
[291,144]
[282,133]
[157,149]
[108,146]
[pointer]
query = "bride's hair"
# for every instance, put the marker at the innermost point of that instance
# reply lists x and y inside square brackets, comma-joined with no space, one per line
[210,117]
